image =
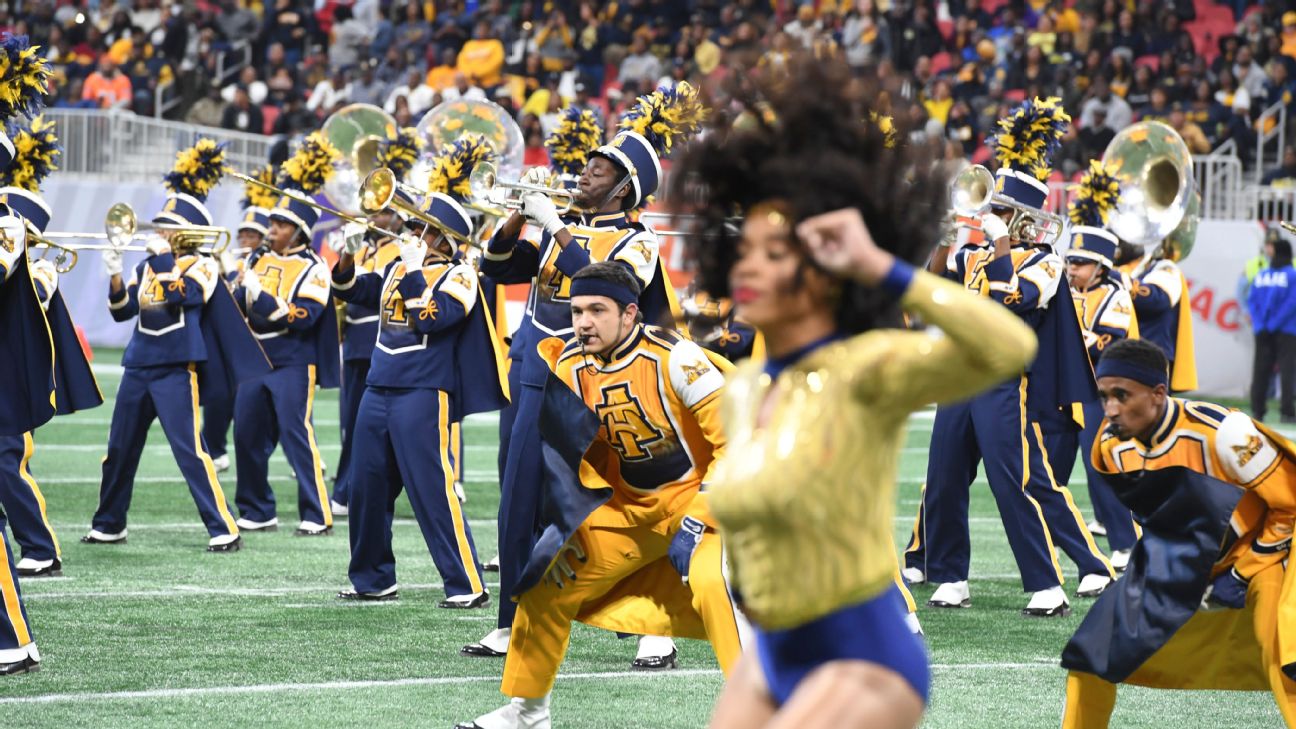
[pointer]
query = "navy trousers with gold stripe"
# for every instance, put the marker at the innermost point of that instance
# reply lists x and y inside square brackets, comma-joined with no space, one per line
[277,409]
[218,415]
[403,441]
[1108,510]
[15,634]
[992,429]
[169,394]
[354,374]
[22,499]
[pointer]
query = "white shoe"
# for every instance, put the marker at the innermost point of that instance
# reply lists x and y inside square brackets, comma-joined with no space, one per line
[494,645]
[492,565]
[97,537]
[311,529]
[248,525]
[1093,585]
[911,619]
[221,463]
[656,653]
[27,564]
[1120,559]
[1047,604]
[913,575]
[516,714]
[951,595]
[339,509]
[1096,528]
[460,493]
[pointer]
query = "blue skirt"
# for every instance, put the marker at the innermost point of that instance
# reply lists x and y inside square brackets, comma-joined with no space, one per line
[873,631]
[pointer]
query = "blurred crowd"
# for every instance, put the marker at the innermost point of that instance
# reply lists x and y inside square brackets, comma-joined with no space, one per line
[949,67]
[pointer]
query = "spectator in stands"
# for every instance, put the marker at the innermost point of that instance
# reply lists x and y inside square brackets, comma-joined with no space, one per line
[1253,31]
[294,119]
[591,43]
[1034,71]
[640,67]
[555,42]
[107,85]
[1280,88]
[803,28]
[237,24]
[939,103]
[1166,37]
[1192,134]
[330,94]
[1237,126]
[147,15]
[1139,94]
[461,89]
[442,76]
[413,32]
[865,34]
[1095,136]
[1120,71]
[1158,109]
[482,58]
[448,31]
[418,96]
[288,26]
[1289,34]
[1272,306]
[1206,112]
[242,115]
[257,89]
[351,38]
[1248,73]
[913,37]
[1116,113]
[1043,37]
[72,98]
[208,111]
[961,127]
[1284,175]
[1230,95]
[368,89]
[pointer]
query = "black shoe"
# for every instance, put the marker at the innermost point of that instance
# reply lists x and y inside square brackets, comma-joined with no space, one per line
[1061,611]
[325,532]
[26,665]
[233,546]
[656,663]
[482,599]
[368,596]
[477,650]
[468,725]
[55,569]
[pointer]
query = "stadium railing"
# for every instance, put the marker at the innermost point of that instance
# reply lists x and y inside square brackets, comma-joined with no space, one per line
[1271,128]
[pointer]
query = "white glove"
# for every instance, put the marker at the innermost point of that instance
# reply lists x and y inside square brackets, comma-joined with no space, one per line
[994,227]
[156,246]
[14,230]
[540,210]
[45,271]
[112,261]
[228,263]
[536,176]
[353,238]
[252,284]
[412,252]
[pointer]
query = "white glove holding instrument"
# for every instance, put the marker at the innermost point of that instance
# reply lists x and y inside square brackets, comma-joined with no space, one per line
[14,230]
[539,208]
[252,284]
[994,227]
[112,263]
[353,238]
[413,251]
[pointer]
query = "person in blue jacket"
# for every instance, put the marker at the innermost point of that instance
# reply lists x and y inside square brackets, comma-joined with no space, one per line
[1272,305]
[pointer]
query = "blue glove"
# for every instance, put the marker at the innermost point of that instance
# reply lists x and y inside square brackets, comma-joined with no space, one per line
[1229,590]
[684,544]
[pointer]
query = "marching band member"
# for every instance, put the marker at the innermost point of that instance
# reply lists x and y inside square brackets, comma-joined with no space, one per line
[711,323]
[1188,613]
[286,296]
[360,323]
[804,493]
[251,233]
[1162,305]
[634,522]
[168,296]
[1106,316]
[20,496]
[617,180]
[436,360]
[1004,427]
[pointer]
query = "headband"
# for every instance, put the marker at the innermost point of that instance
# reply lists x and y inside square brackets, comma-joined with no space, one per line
[591,286]
[1130,370]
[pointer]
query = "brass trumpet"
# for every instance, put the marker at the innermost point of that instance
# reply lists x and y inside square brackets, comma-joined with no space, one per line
[122,227]
[318,206]
[490,195]
[973,192]
[378,192]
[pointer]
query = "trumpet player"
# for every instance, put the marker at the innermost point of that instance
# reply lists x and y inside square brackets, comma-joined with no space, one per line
[167,296]
[1005,426]
[435,361]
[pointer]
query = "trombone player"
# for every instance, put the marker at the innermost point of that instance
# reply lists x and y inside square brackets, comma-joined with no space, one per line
[167,296]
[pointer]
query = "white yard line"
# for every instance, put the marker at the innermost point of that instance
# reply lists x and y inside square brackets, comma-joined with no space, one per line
[197,591]
[273,688]
[284,526]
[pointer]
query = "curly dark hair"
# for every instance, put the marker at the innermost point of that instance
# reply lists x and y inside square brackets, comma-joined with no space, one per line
[1137,351]
[812,143]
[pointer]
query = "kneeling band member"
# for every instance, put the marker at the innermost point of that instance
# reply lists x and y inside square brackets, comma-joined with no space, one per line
[435,361]
[647,535]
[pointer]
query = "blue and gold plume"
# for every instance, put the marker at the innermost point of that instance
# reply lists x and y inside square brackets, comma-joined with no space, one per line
[1096,195]
[577,134]
[311,165]
[23,77]
[258,196]
[665,114]
[399,153]
[1030,135]
[198,169]
[455,165]
[37,151]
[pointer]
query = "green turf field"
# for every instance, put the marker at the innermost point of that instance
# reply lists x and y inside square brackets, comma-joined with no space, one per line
[158,633]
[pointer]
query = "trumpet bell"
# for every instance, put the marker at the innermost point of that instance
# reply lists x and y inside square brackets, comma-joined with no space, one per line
[971,191]
[1155,169]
